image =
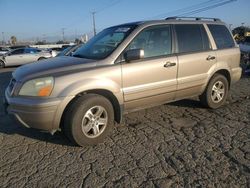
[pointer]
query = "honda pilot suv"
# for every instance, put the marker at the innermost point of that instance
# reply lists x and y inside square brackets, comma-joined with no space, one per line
[125,68]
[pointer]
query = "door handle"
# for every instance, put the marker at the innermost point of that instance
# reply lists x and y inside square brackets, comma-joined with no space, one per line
[169,64]
[209,58]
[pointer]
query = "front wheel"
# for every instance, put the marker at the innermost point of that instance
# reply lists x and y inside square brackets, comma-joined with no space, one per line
[216,92]
[89,119]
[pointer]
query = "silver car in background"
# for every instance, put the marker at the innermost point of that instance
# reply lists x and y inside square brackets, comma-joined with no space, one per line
[22,56]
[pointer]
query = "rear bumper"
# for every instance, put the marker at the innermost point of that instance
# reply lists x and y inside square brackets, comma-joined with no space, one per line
[36,113]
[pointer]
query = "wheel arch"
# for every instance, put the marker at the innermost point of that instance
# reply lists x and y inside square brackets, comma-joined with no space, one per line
[225,73]
[41,58]
[118,108]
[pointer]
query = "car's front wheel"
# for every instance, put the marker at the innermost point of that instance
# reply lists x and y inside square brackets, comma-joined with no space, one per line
[89,119]
[216,92]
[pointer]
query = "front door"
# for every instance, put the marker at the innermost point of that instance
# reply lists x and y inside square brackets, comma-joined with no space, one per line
[16,57]
[150,80]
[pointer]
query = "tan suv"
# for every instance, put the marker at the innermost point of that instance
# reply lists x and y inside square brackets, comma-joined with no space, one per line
[122,69]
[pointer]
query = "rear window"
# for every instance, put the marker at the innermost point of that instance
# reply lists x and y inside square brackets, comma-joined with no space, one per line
[222,36]
[191,38]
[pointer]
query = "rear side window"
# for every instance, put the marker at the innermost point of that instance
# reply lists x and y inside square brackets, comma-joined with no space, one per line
[191,38]
[222,36]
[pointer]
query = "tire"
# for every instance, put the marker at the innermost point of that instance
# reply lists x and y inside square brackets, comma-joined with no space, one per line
[41,58]
[2,65]
[81,119]
[213,96]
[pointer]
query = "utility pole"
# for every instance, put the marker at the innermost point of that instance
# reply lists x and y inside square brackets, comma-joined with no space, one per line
[93,16]
[3,37]
[44,38]
[75,33]
[63,29]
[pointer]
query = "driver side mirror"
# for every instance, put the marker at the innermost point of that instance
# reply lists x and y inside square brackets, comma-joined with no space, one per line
[134,54]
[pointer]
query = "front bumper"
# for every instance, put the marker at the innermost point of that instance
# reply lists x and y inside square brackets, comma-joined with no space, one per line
[33,112]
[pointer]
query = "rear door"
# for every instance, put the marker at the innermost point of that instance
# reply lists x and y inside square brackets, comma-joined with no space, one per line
[30,55]
[149,80]
[196,59]
[226,52]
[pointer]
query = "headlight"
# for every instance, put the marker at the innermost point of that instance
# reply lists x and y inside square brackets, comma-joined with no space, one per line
[40,87]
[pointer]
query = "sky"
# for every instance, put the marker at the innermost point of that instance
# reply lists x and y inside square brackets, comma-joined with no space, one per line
[44,19]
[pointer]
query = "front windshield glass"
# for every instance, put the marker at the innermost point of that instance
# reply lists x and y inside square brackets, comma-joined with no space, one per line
[103,44]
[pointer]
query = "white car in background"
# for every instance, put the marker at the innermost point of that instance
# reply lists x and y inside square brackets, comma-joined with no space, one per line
[22,56]
[4,50]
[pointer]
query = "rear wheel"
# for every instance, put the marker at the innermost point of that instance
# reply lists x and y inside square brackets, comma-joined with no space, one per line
[216,92]
[2,65]
[89,119]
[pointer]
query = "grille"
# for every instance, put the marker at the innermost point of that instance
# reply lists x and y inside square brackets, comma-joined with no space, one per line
[12,85]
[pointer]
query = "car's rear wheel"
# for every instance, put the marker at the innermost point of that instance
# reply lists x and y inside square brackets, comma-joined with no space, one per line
[89,119]
[2,65]
[216,92]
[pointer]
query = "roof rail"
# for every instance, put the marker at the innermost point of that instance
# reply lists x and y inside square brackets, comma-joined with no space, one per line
[193,18]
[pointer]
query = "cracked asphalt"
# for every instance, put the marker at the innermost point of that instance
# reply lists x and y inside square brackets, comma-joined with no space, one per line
[179,144]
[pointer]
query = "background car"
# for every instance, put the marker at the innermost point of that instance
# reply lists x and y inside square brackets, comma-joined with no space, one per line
[245,55]
[18,46]
[69,50]
[23,56]
[4,50]
[55,51]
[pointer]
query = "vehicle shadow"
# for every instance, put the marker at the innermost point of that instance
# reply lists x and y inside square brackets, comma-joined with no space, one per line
[188,103]
[10,126]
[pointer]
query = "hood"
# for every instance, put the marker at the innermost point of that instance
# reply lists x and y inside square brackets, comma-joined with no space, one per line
[52,66]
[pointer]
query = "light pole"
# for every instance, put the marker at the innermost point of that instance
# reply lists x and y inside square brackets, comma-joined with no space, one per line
[63,29]
[3,37]
[93,17]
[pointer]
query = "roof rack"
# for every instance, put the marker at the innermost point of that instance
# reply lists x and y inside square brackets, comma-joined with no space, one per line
[192,18]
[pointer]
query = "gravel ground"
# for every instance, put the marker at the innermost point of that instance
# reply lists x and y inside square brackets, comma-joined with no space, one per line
[173,145]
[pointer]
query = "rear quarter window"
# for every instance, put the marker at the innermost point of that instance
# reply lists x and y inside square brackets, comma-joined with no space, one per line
[222,37]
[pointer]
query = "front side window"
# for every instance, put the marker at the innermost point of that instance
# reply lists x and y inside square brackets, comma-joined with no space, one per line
[222,36]
[16,52]
[191,38]
[155,41]
[103,44]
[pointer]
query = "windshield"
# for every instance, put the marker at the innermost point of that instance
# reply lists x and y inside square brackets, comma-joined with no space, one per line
[103,44]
